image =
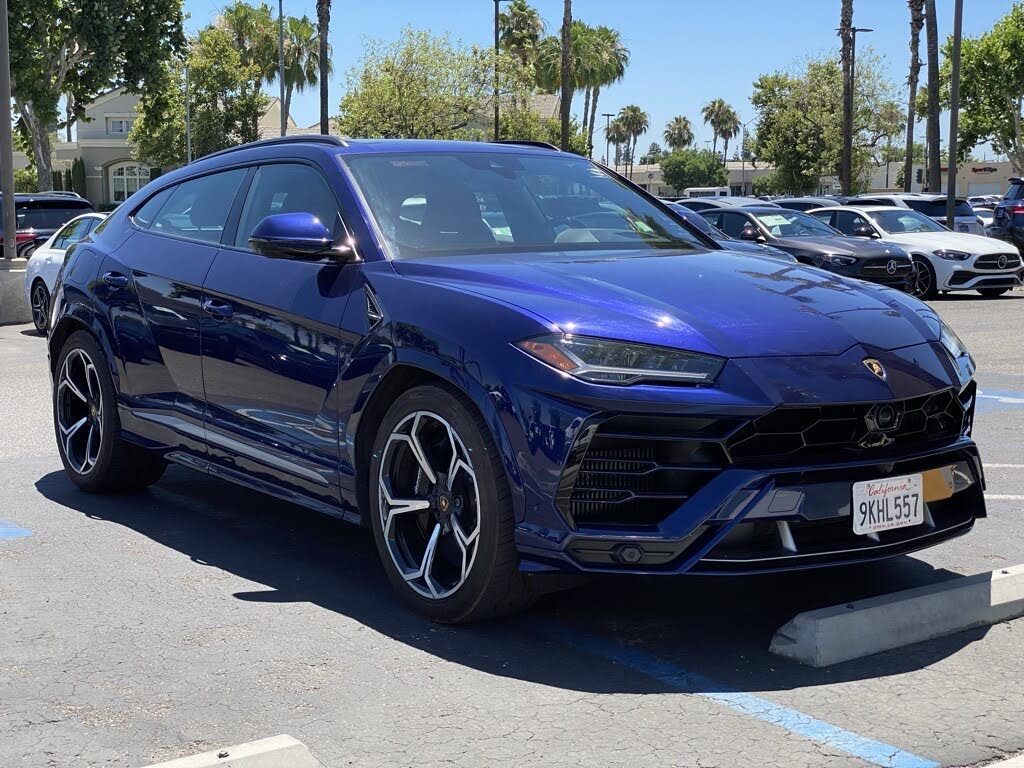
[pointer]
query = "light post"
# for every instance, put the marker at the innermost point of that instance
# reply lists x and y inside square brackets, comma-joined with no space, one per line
[497,39]
[607,144]
[188,118]
[280,63]
[846,162]
[743,154]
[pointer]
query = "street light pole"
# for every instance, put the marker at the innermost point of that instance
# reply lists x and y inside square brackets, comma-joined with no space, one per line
[743,153]
[188,118]
[607,144]
[6,140]
[497,106]
[954,111]
[280,63]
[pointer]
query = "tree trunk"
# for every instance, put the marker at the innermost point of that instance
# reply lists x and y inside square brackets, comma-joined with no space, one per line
[725,150]
[69,115]
[586,111]
[287,101]
[932,37]
[565,108]
[323,20]
[41,152]
[916,21]
[593,120]
[846,57]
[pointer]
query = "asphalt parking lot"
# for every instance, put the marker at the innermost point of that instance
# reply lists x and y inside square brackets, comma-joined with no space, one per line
[197,614]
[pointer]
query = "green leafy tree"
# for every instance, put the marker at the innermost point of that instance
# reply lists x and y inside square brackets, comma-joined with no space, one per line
[678,133]
[254,33]
[520,28]
[992,88]
[80,49]
[771,183]
[636,122]
[226,103]
[799,127]
[424,87]
[301,57]
[78,176]
[25,180]
[617,135]
[653,155]
[693,168]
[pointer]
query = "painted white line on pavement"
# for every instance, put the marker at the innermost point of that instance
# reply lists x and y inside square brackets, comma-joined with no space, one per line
[1003,466]
[1004,497]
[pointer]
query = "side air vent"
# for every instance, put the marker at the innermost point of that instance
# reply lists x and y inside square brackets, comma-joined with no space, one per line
[373,313]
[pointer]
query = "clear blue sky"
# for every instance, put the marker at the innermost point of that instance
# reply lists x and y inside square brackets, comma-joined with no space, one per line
[683,52]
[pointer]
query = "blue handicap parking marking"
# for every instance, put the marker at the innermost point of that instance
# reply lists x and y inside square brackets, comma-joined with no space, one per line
[818,731]
[996,400]
[9,530]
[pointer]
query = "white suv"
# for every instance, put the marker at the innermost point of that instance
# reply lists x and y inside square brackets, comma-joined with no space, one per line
[943,260]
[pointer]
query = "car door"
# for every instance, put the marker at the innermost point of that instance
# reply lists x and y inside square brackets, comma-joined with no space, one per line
[48,261]
[272,345]
[848,222]
[152,288]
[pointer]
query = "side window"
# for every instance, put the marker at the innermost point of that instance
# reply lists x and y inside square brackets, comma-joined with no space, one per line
[733,223]
[1015,192]
[825,217]
[848,222]
[286,188]
[713,218]
[198,209]
[71,233]
[144,216]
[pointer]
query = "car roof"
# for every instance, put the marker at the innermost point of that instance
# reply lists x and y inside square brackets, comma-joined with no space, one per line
[29,197]
[804,199]
[867,208]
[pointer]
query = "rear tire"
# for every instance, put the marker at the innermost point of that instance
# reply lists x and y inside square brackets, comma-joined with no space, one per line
[922,282]
[87,427]
[992,293]
[40,306]
[447,542]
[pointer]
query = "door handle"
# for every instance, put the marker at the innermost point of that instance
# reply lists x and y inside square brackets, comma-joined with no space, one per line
[115,279]
[219,309]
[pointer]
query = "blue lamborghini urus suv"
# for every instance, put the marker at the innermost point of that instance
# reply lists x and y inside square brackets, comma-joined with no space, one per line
[506,361]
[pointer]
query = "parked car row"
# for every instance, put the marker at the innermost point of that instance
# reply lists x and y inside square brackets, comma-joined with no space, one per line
[40,215]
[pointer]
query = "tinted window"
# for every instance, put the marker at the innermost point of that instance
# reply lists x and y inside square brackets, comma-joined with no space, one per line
[144,216]
[733,223]
[72,233]
[49,215]
[1015,192]
[713,217]
[795,206]
[697,205]
[849,222]
[437,204]
[199,208]
[286,188]
[825,217]
[696,219]
[871,201]
[937,208]
[898,222]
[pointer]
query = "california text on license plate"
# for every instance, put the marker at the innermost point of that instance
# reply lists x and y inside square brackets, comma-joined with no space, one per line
[881,505]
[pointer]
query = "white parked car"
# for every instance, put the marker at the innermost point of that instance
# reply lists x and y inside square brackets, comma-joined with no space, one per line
[46,261]
[934,206]
[943,260]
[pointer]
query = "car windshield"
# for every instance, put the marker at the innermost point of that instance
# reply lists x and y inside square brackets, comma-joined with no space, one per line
[905,222]
[438,204]
[699,222]
[786,223]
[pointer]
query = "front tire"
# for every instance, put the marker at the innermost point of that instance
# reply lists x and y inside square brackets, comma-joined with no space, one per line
[991,293]
[441,510]
[922,282]
[87,427]
[40,306]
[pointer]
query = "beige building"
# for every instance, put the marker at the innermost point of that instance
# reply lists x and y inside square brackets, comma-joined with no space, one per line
[111,174]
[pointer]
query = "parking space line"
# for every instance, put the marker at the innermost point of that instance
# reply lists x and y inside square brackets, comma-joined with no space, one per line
[1004,496]
[818,731]
[1003,466]
[11,531]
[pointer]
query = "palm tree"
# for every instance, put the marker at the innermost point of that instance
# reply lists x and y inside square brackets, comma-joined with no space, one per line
[615,132]
[712,112]
[678,133]
[255,35]
[932,43]
[520,30]
[635,121]
[916,22]
[728,127]
[565,108]
[611,57]
[323,24]
[301,58]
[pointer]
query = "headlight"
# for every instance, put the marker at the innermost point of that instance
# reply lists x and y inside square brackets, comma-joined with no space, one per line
[602,361]
[945,253]
[951,341]
[835,258]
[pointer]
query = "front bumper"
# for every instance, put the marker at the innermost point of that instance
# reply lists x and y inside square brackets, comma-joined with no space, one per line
[981,272]
[711,495]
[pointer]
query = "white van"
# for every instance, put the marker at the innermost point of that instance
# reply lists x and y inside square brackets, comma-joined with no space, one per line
[706,192]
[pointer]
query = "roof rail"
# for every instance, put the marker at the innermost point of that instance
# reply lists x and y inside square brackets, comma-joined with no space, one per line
[60,193]
[297,138]
[524,143]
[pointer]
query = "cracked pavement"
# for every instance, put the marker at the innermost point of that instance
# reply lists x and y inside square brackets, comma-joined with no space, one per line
[146,627]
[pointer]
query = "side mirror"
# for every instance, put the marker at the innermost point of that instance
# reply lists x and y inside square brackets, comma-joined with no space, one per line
[750,233]
[298,236]
[865,231]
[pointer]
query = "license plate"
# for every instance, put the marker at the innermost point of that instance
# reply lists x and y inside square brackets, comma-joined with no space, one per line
[882,505]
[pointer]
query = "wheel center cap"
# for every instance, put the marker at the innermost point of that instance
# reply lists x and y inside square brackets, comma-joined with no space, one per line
[443,504]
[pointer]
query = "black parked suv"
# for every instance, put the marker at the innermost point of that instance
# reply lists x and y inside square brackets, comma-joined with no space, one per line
[40,215]
[1008,219]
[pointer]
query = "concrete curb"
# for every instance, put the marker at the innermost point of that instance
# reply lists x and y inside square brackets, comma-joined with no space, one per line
[275,752]
[852,630]
[13,304]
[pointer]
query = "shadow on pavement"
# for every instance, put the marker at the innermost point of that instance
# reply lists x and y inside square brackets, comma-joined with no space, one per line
[718,627]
